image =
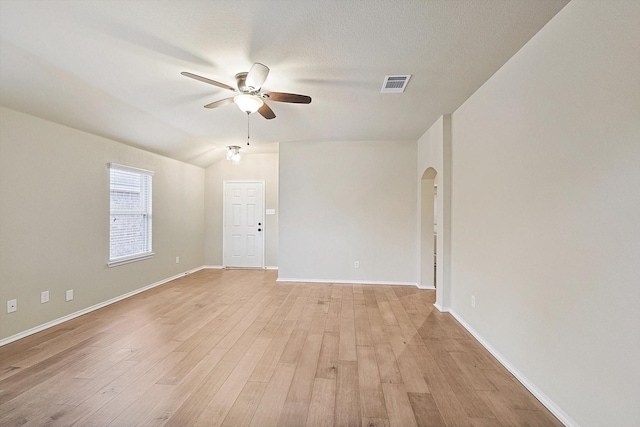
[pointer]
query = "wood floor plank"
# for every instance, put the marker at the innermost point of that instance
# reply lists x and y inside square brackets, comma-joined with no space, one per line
[347,409]
[450,408]
[375,422]
[128,395]
[272,327]
[425,410]
[322,405]
[518,396]
[222,402]
[347,337]
[245,405]
[297,308]
[459,382]
[24,380]
[328,359]
[61,385]
[371,397]
[298,399]
[385,309]
[469,366]
[482,359]
[305,321]
[387,365]
[191,409]
[293,414]
[358,295]
[302,383]
[184,389]
[390,292]
[294,346]
[503,410]
[376,326]
[363,330]
[333,315]
[398,406]
[409,369]
[142,408]
[273,399]
[267,365]
[405,323]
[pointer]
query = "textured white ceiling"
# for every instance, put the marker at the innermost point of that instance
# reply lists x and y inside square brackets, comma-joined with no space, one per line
[112,68]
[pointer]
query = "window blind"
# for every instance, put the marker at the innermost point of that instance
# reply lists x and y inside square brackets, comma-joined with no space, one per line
[130,222]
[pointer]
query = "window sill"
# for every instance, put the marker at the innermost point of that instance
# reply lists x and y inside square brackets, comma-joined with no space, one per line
[128,260]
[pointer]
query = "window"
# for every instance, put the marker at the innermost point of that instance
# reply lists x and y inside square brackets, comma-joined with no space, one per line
[130,225]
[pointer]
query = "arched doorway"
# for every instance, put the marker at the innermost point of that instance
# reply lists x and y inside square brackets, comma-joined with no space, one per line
[428,229]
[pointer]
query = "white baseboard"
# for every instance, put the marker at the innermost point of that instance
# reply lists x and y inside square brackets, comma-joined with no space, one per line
[92,308]
[543,398]
[220,267]
[348,282]
[441,308]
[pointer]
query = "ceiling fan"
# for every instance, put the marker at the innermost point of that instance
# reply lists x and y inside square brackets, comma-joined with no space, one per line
[250,99]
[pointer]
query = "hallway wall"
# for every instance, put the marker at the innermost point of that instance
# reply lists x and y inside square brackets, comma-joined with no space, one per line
[545,203]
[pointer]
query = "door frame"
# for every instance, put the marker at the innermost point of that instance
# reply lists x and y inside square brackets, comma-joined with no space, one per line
[224,217]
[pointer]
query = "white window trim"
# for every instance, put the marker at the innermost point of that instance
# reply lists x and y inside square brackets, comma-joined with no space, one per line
[133,258]
[129,168]
[130,259]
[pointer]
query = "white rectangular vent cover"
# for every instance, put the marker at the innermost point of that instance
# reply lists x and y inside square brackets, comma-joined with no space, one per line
[395,84]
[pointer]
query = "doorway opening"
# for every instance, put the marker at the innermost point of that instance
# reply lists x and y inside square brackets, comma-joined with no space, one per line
[429,229]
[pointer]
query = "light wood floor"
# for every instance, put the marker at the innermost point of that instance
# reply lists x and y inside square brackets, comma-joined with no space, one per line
[235,348]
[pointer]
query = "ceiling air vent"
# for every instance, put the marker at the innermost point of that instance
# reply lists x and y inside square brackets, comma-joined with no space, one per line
[395,84]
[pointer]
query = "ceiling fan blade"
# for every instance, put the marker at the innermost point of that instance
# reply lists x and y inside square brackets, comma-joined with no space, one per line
[288,97]
[209,81]
[256,76]
[219,103]
[266,112]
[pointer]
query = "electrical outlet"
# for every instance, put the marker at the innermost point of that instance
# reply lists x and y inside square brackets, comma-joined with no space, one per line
[356,264]
[473,301]
[177,260]
[69,295]
[12,305]
[44,297]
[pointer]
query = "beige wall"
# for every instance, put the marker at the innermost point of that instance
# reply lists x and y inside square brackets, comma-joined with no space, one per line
[54,227]
[346,202]
[260,167]
[545,211]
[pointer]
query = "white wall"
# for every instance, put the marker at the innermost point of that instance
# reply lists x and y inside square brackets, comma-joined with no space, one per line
[54,220]
[260,167]
[545,211]
[346,202]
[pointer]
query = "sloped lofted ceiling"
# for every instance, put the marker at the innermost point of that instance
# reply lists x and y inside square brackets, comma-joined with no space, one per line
[112,68]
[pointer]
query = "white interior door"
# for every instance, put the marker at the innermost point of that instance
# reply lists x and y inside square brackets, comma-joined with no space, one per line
[244,224]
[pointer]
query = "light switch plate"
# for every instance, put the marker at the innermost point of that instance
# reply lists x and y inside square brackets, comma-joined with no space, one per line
[12,305]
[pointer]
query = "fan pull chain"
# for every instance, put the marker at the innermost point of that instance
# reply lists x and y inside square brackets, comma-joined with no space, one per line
[247,128]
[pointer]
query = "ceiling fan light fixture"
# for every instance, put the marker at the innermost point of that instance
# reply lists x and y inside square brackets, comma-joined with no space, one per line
[233,154]
[248,103]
